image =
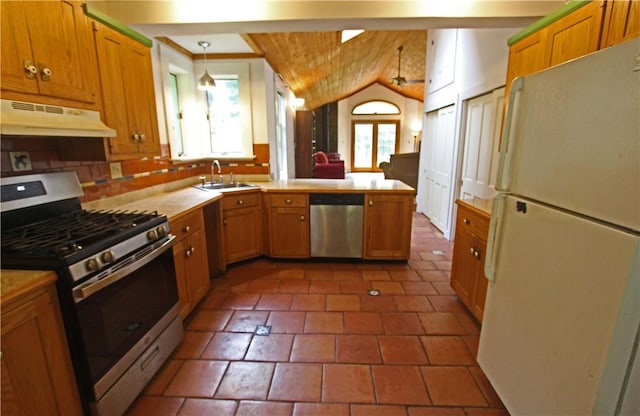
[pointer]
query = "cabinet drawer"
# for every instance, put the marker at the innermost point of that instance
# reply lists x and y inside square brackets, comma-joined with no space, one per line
[240,201]
[472,222]
[288,200]
[186,224]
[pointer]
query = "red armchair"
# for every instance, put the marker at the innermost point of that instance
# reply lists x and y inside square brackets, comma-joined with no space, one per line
[326,167]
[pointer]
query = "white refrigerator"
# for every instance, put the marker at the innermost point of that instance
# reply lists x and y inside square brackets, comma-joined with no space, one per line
[561,322]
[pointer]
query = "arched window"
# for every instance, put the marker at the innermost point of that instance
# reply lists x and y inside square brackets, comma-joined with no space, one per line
[375,107]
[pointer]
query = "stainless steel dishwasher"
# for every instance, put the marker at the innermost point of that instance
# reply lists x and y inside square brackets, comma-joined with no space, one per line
[336,224]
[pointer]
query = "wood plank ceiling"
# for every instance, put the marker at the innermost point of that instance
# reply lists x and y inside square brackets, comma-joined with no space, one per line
[321,69]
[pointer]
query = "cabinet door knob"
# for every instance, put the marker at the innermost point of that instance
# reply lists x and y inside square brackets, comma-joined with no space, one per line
[476,254]
[142,138]
[240,201]
[224,221]
[471,250]
[466,221]
[186,229]
[30,69]
[288,201]
[370,203]
[45,72]
[301,217]
[192,249]
[135,136]
[188,252]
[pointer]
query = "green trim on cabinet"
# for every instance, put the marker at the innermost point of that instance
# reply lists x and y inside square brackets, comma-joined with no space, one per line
[116,25]
[561,12]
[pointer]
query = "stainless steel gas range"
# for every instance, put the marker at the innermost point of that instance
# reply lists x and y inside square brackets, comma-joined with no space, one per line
[116,282]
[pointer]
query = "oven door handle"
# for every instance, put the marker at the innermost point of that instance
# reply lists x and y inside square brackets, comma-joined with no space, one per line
[90,287]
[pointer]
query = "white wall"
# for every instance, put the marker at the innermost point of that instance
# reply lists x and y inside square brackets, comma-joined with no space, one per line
[410,113]
[461,64]
[258,100]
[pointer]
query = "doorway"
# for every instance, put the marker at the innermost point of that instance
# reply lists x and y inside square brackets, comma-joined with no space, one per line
[373,142]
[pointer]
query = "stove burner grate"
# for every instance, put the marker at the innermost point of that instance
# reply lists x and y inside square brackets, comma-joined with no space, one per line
[69,233]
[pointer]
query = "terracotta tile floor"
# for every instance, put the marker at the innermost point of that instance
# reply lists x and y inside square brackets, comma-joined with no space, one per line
[333,350]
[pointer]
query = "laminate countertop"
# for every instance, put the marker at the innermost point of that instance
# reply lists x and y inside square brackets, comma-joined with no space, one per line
[177,202]
[480,205]
[338,185]
[17,283]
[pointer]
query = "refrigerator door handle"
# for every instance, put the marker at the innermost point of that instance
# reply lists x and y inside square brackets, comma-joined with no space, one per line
[507,144]
[494,235]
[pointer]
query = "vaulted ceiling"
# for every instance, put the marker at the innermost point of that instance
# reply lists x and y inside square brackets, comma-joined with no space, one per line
[321,69]
[300,39]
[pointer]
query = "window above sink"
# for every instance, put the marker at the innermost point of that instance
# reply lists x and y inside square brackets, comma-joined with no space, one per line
[207,125]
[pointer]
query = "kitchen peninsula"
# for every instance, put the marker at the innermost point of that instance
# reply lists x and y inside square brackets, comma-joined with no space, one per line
[221,227]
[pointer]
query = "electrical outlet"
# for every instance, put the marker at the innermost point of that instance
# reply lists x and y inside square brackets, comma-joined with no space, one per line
[116,170]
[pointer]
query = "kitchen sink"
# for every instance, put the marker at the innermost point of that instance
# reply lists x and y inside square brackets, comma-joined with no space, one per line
[214,186]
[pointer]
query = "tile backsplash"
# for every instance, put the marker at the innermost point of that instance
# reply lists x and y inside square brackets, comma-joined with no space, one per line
[95,176]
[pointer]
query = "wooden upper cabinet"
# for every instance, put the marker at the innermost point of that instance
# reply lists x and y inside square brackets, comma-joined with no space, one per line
[621,22]
[129,99]
[525,57]
[575,35]
[47,50]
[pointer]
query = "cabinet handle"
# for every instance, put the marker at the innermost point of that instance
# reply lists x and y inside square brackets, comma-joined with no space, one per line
[301,217]
[224,221]
[192,249]
[142,138]
[288,201]
[370,203]
[45,72]
[186,229]
[240,201]
[471,250]
[135,136]
[188,252]
[466,221]
[30,69]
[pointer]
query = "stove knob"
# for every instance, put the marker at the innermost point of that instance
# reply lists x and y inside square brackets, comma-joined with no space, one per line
[152,235]
[108,257]
[92,264]
[161,232]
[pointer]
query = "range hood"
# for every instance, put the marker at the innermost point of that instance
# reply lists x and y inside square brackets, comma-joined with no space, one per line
[21,118]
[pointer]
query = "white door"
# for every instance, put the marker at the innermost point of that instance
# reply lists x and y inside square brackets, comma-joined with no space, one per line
[562,312]
[438,147]
[481,142]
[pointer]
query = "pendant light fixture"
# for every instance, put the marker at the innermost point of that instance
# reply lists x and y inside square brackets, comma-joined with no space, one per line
[206,81]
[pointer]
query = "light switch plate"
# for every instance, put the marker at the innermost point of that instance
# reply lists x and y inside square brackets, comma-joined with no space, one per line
[116,170]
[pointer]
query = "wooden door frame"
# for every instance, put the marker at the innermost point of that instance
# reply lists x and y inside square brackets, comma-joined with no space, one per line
[374,156]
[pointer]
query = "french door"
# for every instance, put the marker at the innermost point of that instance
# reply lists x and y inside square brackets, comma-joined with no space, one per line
[372,142]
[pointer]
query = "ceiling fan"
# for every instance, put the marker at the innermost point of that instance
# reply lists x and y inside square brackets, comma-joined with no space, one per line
[399,80]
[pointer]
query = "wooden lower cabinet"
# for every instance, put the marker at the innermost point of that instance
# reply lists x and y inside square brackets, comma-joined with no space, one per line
[469,249]
[387,226]
[241,217]
[37,375]
[288,224]
[190,257]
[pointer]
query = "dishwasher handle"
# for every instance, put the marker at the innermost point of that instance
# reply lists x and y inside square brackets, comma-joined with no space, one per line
[336,199]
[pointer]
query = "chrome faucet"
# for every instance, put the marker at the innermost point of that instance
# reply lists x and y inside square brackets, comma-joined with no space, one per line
[215,163]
